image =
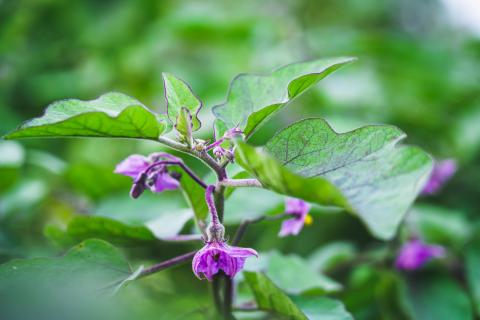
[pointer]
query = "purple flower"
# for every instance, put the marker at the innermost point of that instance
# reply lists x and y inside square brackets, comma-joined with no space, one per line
[233,133]
[299,209]
[216,255]
[442,172]
[414,254]
[149,172]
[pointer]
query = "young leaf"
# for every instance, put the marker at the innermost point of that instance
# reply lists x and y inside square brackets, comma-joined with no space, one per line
[271,298]
[110,115]
[253,99]
[184,125]
[179,95]
[362,171]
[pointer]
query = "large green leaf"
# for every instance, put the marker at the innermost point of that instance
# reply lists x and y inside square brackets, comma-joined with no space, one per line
[179,95]
[253,99]
[363,171]
[90,266]
[111,115]
[435,297]
[332,254]
[270,298]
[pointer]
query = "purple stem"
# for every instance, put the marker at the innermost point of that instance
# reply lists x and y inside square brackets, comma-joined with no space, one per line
[216,143]
[167,264]
[211,205]
[181,165]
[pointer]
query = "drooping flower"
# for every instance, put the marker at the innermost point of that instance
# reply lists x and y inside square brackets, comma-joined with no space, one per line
[442,172]
[216,255]
[414,254]
[148,172]
[299,210]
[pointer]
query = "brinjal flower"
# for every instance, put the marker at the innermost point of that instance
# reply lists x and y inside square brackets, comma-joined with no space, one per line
[148,172]
[442,172]
[217,255]
[414,254]
[299,209]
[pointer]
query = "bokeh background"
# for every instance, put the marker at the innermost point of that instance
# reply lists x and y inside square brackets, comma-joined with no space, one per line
[418,68]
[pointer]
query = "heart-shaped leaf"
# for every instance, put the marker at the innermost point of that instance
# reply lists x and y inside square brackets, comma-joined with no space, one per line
[363,171]
[111,115]
[253,99]
[179,95]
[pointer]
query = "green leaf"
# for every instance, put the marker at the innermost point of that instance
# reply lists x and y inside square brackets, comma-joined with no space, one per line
[330,255]
[84,227]
[363,171]
[441,225]
[184,125]
[111,115]
[271,298]
[435,297]
[195,196]
[294,275]
[92,266]
[322,308]
[472,266]
[253,99]
[179,95]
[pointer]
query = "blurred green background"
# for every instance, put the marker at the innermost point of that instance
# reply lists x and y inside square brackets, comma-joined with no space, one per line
[418,68]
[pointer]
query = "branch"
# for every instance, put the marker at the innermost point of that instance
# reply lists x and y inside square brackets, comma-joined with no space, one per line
[167,264]
[238,183]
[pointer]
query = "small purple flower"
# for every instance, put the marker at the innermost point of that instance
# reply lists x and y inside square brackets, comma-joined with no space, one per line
[299,209]
[148,172]
[232,133]
[414,254]
[216,255]
[442,172]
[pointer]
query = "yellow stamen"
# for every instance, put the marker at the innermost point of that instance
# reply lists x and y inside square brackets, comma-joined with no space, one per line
[308,220]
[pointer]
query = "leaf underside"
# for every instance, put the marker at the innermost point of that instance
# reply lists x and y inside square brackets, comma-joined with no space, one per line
[253,99]
[114,115]
[363,171]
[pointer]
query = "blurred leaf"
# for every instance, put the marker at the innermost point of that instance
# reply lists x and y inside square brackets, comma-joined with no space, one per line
[90,266]
[23,197]
[375,179]
[253,99]
[332,254]
[179,95]
[294,275]
[195,196]
[322,308]
[472,266]
[169,223]
[12,154]
[442,225]
[118,233]
[435,297]
[271,298]
[111,115]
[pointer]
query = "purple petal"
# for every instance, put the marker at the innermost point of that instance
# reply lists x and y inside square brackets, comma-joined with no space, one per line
[442,172]
[291,227]
[296,206]
[414,254]
[163,181]
[132,166]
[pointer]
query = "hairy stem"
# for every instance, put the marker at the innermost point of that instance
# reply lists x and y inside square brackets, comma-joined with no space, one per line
[167,264]
[239,183]
[228,298]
